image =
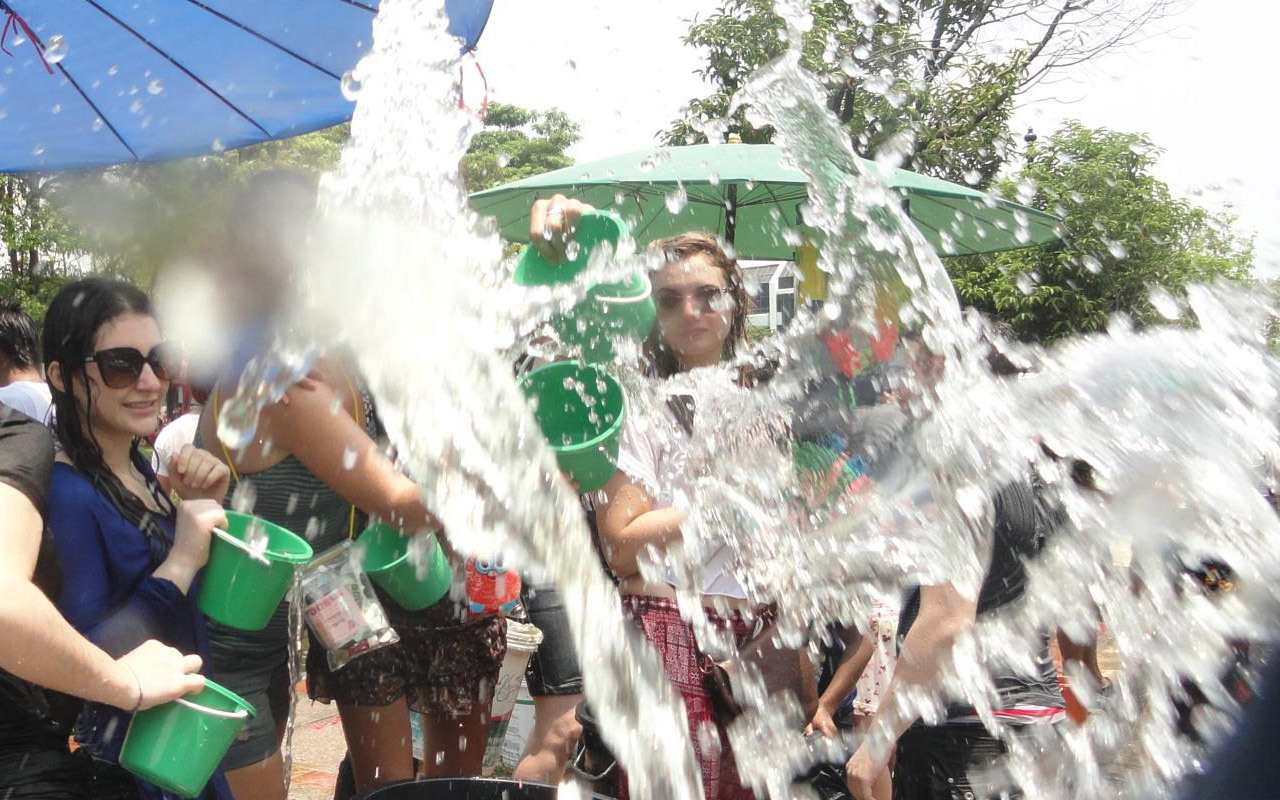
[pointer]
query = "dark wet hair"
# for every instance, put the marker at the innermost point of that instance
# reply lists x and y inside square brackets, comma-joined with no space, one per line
[76,315]
[19,339]
[662,361]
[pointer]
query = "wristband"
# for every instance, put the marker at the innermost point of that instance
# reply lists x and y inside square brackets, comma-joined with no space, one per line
[137,682]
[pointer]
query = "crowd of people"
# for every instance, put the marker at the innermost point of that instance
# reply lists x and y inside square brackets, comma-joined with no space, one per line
[109,541]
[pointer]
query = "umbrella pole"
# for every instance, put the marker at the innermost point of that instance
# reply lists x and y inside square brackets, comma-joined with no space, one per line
[731,213]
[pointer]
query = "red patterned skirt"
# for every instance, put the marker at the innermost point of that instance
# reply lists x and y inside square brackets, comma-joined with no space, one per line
[659,619]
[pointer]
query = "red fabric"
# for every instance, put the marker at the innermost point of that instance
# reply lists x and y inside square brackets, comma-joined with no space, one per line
[659,619]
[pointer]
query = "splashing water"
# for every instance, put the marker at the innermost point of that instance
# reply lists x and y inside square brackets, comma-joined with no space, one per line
[1178,425]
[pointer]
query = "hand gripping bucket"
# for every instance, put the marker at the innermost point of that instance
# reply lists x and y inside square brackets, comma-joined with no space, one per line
[389,559]
[178,745]
[522,642]
[240,590]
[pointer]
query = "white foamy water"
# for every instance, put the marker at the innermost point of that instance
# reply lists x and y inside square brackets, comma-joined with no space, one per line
[1178,423]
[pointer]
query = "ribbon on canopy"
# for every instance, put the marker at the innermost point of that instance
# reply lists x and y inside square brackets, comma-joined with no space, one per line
[14,21]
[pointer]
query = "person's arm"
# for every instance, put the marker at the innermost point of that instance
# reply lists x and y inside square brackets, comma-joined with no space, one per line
[944,615]
[629,523]
[38,645]
[853,662]
[338,452]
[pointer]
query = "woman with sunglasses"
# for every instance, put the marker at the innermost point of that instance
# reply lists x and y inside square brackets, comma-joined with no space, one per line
[315,466]
[129,557]
[702,311]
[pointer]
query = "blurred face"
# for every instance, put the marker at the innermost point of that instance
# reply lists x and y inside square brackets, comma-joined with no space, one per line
[695,312]
[134,409]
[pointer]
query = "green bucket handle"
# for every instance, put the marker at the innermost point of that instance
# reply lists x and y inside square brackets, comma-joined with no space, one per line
[622,301]
[239,713]
[234,542]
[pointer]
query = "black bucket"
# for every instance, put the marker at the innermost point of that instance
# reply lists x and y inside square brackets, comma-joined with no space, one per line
[463,789]
[592,761]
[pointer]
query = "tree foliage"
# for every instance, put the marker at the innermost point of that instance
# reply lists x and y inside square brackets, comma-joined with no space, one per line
[517,143]
[132,219]
[937,78]
[1127,234]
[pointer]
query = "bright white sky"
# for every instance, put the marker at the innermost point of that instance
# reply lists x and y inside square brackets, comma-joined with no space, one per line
[1203,87]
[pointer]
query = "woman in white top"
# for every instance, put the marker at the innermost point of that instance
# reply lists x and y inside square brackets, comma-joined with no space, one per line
[702,308]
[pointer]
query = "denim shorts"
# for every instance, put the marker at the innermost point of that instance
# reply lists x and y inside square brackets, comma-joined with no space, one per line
[263,680]
[553,670]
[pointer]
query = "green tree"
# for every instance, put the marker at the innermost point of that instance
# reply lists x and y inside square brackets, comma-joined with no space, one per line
[135,218]
[517,143]
[938,78]
[1127,234]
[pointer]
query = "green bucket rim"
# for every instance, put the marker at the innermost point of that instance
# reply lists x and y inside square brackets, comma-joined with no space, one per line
[599,225]
[272,528]
[614,428]
[383,529]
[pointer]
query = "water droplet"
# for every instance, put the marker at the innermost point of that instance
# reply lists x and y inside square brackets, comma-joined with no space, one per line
[349,456]
[217,146]
[676,200]
[56,109]
[37,150]
[972,177]
[1117,249]
[56,49]
[571,250]
[97,124]
[113,69]
[350,86]
[503,160]
[155,87]
[135,107]
[1165,304]
[1024,283]
[439,757]
[1092,264]
[462,743]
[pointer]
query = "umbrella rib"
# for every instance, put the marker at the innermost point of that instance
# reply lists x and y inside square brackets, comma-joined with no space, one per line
[263,38]
[183,69]
[97,111]
[954,241]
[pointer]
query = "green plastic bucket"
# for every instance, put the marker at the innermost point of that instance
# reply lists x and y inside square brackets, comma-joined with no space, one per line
[387,560]
[594,228]
[238,590]
[178,745]
[584,437]
[610,310]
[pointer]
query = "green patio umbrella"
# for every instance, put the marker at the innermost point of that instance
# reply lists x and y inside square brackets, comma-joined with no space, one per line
[746,193]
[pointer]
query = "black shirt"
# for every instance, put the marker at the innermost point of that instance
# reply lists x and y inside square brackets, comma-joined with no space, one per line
[1022,520]
[30,715]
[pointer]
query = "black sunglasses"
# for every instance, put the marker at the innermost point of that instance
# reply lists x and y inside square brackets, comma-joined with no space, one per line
[706,298]
[121,367]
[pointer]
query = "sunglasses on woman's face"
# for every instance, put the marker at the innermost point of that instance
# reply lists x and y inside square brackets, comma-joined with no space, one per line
[705,298]
[121,367]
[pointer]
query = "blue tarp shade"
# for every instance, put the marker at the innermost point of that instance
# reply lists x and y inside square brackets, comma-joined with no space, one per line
[150,80]
[467,19]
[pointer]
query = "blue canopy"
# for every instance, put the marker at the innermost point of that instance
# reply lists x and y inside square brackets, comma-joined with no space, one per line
[86,83]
